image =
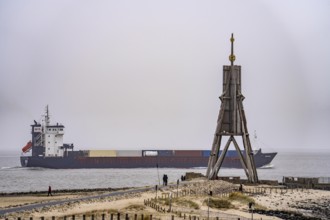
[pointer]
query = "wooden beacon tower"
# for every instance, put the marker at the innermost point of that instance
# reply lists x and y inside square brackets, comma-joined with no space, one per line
[231,123]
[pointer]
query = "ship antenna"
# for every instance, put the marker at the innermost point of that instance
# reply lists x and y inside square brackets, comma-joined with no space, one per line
[232,56]
[47,116]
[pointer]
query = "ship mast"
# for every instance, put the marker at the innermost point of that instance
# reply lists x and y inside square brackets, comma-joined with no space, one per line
[47,118]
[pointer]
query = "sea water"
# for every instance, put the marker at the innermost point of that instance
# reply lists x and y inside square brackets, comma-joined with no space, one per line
[14,178]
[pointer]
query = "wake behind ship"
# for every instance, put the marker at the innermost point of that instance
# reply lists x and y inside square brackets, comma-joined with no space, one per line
[49,151]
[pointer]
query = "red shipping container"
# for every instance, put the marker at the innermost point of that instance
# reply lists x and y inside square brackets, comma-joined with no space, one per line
[188,153]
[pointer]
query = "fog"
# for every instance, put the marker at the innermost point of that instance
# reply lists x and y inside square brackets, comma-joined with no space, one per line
[148,74]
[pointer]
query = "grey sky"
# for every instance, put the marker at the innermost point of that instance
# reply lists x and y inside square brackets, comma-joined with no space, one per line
[148,74]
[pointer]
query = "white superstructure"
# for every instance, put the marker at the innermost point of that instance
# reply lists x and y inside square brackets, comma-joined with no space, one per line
[52,137]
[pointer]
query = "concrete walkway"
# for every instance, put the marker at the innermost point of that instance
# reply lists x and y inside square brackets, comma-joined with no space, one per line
[40,205]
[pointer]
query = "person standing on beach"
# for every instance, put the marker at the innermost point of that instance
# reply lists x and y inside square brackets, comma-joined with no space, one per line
[240,188]
[50,191]
[166,178]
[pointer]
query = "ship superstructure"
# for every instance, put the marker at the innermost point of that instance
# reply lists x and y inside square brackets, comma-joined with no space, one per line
[47,139]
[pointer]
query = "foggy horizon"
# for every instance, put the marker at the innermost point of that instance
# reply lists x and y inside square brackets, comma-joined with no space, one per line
[148,74]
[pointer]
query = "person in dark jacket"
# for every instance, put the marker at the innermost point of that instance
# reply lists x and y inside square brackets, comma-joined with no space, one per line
[50,191]
[166,179]
[240,188]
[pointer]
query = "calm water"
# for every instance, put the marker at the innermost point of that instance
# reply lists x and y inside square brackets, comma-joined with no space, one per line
[14,178]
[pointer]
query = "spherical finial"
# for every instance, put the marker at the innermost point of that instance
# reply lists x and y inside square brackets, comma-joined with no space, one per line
[232,57]
[232,39]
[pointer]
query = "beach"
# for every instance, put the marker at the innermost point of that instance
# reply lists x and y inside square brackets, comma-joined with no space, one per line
[188,198]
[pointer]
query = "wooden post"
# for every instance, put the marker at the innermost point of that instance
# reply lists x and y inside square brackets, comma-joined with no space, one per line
[32,218]
[126,217]
[84,217]
[19,218]
[118,216]
[73,217]
[103,216]
[53,218]
[172,217]
[135,217]
[111,216]
[150,217]
[142,217]
[92,217]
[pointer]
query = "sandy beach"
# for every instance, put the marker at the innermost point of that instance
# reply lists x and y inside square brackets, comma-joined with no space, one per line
[192,200]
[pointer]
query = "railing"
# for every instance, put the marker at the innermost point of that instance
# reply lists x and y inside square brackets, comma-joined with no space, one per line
[185,213]
[103,216]
[270,190]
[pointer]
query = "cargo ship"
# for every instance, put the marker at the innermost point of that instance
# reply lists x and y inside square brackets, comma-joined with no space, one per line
[47,150]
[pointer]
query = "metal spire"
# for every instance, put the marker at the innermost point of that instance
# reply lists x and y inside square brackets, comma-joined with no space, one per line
[232,56]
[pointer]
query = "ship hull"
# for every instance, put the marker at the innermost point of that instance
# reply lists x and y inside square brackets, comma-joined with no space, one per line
[81,162]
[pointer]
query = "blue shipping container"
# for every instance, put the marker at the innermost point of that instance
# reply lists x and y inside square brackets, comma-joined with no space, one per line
[165,153]
[206,153]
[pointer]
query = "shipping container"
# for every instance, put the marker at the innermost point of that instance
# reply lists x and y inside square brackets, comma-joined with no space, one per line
[188,153]
[129,153]
[150,153]
[165,153]
[78,153]
[102,153]
[206,153]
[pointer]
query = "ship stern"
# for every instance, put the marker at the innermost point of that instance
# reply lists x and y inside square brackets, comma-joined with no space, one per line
[24,161]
